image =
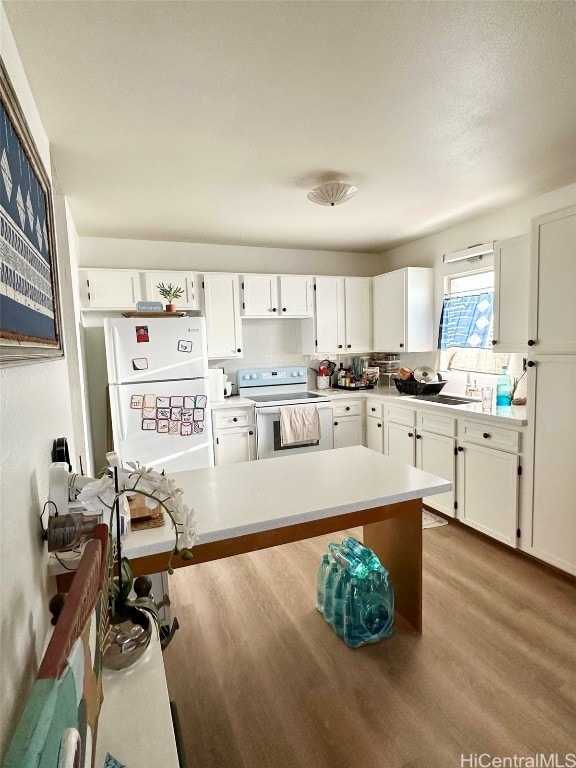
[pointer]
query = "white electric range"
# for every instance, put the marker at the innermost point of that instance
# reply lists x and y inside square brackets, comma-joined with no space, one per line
[270,389]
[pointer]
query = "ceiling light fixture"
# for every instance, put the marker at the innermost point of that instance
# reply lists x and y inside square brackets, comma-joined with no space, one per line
[332,193]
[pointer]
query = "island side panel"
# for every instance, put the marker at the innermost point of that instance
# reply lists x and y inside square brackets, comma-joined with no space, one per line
[397,541]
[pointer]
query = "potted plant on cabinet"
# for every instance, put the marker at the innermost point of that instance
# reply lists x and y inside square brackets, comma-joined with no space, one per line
[170,293]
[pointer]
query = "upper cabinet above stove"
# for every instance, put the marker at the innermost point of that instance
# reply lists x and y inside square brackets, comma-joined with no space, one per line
[272,296]
[343,317]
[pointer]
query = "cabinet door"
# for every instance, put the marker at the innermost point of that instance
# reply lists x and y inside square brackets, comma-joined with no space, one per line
[296,296]
[551,533]
[185,280]
[389,320]
[111,288]
[347,431]
[222,308]
[511,294]
[553,277]
[260,296]
[232,446]
[375,434]
[403,310]
[435,454]
[358,301]
[487,491]
[330,330]
[399,442]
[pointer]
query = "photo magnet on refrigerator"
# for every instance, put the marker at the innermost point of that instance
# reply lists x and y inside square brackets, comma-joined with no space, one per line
[142,333]
[184,346]
[136,401]
[140,363]
[186,428]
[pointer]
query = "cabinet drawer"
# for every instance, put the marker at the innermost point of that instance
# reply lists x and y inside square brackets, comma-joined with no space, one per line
[400,415]
[436,423]
[375,408]
[490,436]
[232,417]
[347,408]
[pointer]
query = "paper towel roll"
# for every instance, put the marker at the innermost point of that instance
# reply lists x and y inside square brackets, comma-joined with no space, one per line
[216,384]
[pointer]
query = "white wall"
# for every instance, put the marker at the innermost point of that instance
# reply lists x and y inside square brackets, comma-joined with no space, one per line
[35,409]
[149,254]
[428,251]
[508,222]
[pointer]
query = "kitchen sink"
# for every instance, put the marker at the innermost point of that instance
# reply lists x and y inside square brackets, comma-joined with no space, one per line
[445,399]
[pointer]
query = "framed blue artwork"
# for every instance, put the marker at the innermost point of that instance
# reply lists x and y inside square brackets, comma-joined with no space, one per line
[29,310]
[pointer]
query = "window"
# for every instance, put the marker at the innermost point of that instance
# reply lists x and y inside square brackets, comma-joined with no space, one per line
[466,325]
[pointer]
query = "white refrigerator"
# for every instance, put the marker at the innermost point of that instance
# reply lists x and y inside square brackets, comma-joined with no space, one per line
[158,389]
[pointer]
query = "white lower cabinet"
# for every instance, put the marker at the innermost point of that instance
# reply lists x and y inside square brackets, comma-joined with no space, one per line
[548,530]
[487,491]
[234,435]
[424,440]
[375,425]
[435,453]
[347,418]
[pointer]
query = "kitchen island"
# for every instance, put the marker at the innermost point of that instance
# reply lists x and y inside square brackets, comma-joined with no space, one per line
[245,507]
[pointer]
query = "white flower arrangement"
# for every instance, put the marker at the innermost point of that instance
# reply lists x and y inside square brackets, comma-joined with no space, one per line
[155,487]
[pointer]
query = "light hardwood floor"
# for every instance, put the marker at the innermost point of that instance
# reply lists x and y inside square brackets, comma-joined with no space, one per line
[261,681]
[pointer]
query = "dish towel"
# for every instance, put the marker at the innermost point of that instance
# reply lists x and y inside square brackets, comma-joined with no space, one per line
[299,424]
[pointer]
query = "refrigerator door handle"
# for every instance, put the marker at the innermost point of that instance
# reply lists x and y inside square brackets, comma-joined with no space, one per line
[122,425]
[115,346]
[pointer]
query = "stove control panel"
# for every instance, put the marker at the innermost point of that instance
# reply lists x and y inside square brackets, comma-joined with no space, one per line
[269,377]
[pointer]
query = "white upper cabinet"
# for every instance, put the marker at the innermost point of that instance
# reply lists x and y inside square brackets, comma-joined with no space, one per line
[403,311]
[260,296]
[343,319]
[358,313]
[553,283]
[277,296]
[188,281]
[296,295]
[110,288]
[222,310]
[511,294]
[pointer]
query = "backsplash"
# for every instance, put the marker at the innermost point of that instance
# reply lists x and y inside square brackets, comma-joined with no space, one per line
[271,342]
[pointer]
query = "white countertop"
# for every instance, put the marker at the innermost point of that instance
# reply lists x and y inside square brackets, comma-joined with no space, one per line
[136,701]
[514,416]
[239,499]
[235,401]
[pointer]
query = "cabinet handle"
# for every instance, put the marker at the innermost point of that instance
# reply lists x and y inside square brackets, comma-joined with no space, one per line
[339,346]
[531,342]
[460,449]
[235,418]
[349,346]
[410,434]
[274,309]
[530,363]
[418,437]
[250,432]
[486,435]
[335,423]
[238,350]
[400,345]
[494,341]
[373,409]
[284,309]
[379,425]
[347,407]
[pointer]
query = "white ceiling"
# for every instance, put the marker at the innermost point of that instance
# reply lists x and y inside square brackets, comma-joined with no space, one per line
[209,121]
